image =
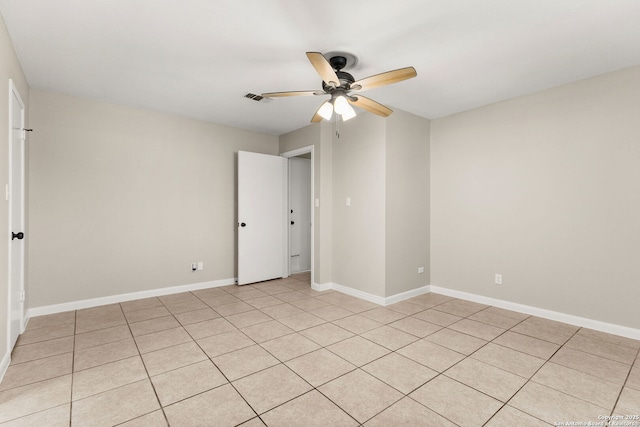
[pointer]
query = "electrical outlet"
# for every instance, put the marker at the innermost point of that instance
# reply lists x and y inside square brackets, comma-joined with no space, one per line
[498,279]
[194,266]
[420,270]
[200,265]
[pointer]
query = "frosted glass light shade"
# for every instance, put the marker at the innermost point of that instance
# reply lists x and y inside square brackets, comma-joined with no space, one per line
[340,105]
[348,114]
[326,110]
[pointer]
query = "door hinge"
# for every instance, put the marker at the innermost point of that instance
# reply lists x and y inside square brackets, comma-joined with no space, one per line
[22,296]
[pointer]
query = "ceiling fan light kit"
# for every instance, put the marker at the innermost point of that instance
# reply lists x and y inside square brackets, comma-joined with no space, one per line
[339,85]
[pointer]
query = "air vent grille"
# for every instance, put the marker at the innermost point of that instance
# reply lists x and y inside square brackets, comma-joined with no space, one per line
[255,97]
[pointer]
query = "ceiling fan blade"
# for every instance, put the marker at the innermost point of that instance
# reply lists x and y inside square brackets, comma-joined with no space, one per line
[323,68]
[294,93]
[383,79]
[317,117]
[371,106]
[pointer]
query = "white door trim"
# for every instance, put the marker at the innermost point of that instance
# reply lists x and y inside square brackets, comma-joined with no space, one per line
[13,91]
[294,153]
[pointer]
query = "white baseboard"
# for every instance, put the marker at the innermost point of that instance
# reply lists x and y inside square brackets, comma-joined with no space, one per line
[112,299]
[358,294]
[320,287]
[597,325]
[370,297]
[406,295]
[6,360]
[383,301]
[349,291]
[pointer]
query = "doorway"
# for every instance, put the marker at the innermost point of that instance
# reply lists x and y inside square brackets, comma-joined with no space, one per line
[301,198]
[299,214]
[263,205]
[15,197]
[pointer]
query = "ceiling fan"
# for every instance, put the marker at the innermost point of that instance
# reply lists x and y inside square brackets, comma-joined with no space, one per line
[339,85]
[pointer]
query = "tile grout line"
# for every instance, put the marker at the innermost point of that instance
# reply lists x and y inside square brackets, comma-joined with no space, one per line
[475,351]
[360,367]
[625,382]
[145,370]
[465,358]
[287,367]
[225,377]
[453,379]
[222,373]
[350,371]
[530,380]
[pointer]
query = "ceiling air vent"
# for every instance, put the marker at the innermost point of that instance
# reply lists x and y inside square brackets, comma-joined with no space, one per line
[257,98]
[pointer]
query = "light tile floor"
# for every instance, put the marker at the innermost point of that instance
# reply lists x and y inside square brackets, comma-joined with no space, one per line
[280,354]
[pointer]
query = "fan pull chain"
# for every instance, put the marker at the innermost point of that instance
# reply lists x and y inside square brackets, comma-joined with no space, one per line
[337,126]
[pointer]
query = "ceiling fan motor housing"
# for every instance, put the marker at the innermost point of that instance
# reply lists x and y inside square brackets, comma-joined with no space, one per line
[338,62]
[346,80]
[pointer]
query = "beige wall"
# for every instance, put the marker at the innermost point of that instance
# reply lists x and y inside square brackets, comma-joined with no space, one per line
[123,200]
[377,244]
[543,189]
[303,137]
[9,69]
[359,230]
[407,202]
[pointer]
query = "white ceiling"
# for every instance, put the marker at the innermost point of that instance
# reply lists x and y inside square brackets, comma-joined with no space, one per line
[198,58]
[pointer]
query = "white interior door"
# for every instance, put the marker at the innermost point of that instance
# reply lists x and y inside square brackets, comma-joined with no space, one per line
[262,217]
[300,214]
[16,214]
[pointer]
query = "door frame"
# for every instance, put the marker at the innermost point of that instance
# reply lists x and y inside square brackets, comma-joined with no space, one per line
[294,153]
[13,92]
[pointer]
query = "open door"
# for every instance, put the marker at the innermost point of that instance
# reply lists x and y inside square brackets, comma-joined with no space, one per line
[15,195]
[262,217]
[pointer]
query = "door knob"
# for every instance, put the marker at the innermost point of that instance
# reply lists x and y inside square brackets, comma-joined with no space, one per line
[242,224]
[18,236]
